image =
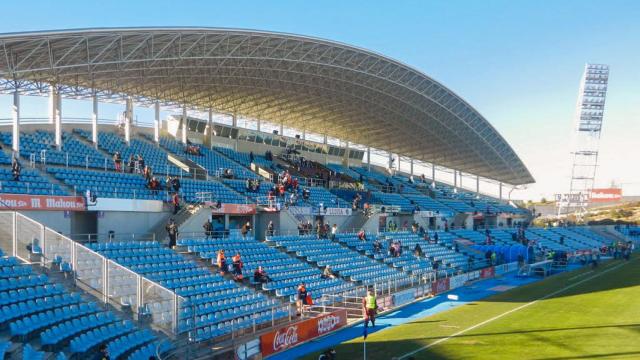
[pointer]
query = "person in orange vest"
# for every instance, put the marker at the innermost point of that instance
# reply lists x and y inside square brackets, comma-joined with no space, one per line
[221,261]
[237,267]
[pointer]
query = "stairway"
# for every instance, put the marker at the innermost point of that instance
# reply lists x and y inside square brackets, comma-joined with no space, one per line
[160,233]
[355,222]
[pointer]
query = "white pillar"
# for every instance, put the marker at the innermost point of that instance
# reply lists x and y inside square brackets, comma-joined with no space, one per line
[234,119]
[390,161]
[185,128]
[411,166]
[325,141]
[477,186]
[368,158]
[455,181]
[15,117]
[347,154]
[304,134]
[259,125]
[433,175]
[94,120]
[209,134]
[58,121]
[281,133]
[128,118]
[156,122]
[53,104]
[500,191]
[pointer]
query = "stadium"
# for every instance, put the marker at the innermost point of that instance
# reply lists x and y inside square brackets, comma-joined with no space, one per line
[269,195]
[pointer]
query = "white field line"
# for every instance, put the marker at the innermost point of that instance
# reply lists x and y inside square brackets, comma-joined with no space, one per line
[510,311]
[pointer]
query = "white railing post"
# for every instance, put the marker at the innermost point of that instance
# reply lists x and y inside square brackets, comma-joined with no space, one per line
[14,251]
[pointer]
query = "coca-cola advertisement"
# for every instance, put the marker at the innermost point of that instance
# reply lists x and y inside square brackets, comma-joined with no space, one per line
[440,286]
[294,334]
[487,272]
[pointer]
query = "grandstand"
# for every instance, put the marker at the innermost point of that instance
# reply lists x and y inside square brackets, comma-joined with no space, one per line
[98,255]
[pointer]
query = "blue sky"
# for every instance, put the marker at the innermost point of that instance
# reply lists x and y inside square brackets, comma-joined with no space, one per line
[518,62]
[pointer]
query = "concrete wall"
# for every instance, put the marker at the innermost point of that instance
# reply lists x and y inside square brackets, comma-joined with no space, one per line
[55,220]
[129,222]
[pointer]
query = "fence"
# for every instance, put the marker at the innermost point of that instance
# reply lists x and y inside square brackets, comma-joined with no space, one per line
[23,237]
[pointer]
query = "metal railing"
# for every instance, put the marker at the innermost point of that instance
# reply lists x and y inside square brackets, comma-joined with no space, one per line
[25,238]
[111,237]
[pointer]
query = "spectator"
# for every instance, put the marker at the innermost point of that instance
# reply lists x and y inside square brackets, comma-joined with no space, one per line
[175,183]
[327,273]
[221,261]
[362,236]
[417,251]
[377,246]
[208,228]
[172,231]
[260,276]
[117,161]
[334,231]
[175,200]
[154,185]
[246,229]
[270,229]
[147,173]
[16,168]
[141,163]
[436,237]
[132,164]
[237,267]
[369,308]
[251,158]
[306,194]
[302,299]
[104,352]
[293,199]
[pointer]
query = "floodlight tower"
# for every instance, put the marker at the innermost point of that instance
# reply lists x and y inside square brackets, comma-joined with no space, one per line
[589,116]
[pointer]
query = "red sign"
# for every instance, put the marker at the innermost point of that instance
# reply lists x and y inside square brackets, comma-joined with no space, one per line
[440,286]
[232,209]
[606,195]
[294,334]
[42,202]
[487,272]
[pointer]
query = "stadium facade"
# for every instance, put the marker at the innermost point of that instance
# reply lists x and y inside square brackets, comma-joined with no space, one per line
[86,203]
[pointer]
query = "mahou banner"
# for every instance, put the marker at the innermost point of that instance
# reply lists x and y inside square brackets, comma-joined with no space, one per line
[606,195]
[42,202]
[294,334]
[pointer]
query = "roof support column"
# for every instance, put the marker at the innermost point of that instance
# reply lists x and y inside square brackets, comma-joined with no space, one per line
[390,161]
[500,191]
[53,104]
[326,149]
[259,123]
[185,120]
[234,119]
[128,116]
[411,166]
[15,117]
[433,175]
[304,134]
[347,154]
[368,158]
[477,186]
[455,181]
[208,130]
[94,119]
[57,120]
[281,133]
[156,122]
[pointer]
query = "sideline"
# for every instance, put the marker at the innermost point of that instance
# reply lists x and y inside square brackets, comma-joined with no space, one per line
[606,270]
[419,309]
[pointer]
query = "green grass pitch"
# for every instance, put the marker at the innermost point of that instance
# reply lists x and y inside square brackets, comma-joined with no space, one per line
[584,314]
